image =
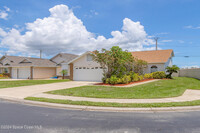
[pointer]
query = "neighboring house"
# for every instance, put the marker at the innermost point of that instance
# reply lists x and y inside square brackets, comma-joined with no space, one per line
[62,60]
[83,68]
[27,68]
[157,60]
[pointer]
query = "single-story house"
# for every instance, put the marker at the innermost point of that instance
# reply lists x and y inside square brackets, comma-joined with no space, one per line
[83,67]
[27,68]
[62,60]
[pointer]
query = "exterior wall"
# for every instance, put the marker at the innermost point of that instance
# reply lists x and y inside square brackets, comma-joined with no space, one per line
[82,62]
[169,63]
[161,67]
[64,66]
[43,72]
[193,73]
[58,70]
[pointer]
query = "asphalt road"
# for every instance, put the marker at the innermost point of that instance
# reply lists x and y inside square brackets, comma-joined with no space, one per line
[19,118]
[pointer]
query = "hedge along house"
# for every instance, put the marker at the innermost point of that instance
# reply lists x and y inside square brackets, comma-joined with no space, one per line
[27,68]
[83,68]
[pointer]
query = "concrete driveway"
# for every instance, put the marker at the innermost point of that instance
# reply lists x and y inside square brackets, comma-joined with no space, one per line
[25,91]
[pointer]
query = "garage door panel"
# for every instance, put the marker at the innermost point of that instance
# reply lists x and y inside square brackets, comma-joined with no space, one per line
[14,73]
[88,74]
[23,73]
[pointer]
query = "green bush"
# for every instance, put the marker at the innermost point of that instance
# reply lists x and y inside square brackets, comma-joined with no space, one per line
[126,79]
[148,76]
[136,77]
[119,81]
[108,81]
[141,77]
[113,80]
[159,75]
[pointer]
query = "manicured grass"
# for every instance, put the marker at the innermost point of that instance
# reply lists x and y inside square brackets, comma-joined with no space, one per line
[136,105]
[17,83]
[158,89]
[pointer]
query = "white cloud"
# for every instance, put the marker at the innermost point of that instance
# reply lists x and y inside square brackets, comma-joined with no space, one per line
[2,33]
[166,41]
[4,13]
[191,27]
[63,31]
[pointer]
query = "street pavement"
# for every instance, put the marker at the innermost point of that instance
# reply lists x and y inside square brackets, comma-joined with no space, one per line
[20,118]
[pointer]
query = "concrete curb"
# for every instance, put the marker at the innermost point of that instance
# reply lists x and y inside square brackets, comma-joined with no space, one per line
[104,109]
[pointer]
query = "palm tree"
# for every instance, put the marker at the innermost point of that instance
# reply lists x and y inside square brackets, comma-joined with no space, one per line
[64,72]
[171,70]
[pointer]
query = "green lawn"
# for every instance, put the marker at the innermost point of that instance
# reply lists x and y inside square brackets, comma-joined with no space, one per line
[129,105]
[17,83]
[158,89]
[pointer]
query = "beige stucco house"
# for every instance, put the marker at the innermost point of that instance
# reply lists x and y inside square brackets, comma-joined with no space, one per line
[27,68]
[83,67]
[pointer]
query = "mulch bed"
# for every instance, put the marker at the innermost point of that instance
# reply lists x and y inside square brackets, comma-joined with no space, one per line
[124,84]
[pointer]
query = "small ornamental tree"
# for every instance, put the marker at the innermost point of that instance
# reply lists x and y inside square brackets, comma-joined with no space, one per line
[64,72]
[139,66]
[171,70]
[114,61]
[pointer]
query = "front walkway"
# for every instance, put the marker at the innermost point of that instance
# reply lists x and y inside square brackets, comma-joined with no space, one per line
[26,91]
[189,95]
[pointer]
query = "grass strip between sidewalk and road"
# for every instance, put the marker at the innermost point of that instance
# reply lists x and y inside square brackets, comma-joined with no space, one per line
[104,104]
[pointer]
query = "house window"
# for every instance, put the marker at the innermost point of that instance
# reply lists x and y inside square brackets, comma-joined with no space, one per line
[84,67]
[89,57]
[5,70]
[154,68]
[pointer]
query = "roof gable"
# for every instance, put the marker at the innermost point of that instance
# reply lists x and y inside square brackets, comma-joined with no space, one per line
[25,61]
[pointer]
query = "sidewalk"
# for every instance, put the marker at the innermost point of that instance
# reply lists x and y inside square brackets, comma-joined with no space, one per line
[189,95]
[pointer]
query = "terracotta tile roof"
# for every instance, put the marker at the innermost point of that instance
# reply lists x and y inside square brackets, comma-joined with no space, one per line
[156,56]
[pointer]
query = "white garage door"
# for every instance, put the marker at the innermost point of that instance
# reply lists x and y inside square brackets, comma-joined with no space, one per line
[88,74]
[21,73]
[24,73]
[14,73]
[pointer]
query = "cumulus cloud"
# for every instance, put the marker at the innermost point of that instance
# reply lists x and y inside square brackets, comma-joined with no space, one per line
[4,13]
[62,31]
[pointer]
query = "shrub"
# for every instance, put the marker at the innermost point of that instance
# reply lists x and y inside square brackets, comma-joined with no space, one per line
[1,75]
[141,77]
[148,76]
[103,80]
[126,79]
[159,75]
[171,70]
[108,81]
[119,81]
[135,77]
[113,79]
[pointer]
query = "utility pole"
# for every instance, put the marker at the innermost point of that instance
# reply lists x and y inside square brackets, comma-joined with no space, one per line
[156,39]
[40,54]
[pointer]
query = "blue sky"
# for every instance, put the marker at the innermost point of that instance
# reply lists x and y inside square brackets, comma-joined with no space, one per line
[176,22]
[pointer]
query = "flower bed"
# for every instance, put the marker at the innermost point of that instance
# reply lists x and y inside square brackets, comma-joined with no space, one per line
[104,84]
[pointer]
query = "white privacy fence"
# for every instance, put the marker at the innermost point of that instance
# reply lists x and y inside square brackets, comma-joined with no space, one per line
[193,73]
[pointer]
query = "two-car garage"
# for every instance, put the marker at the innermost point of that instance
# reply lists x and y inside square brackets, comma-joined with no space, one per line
[33,72]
